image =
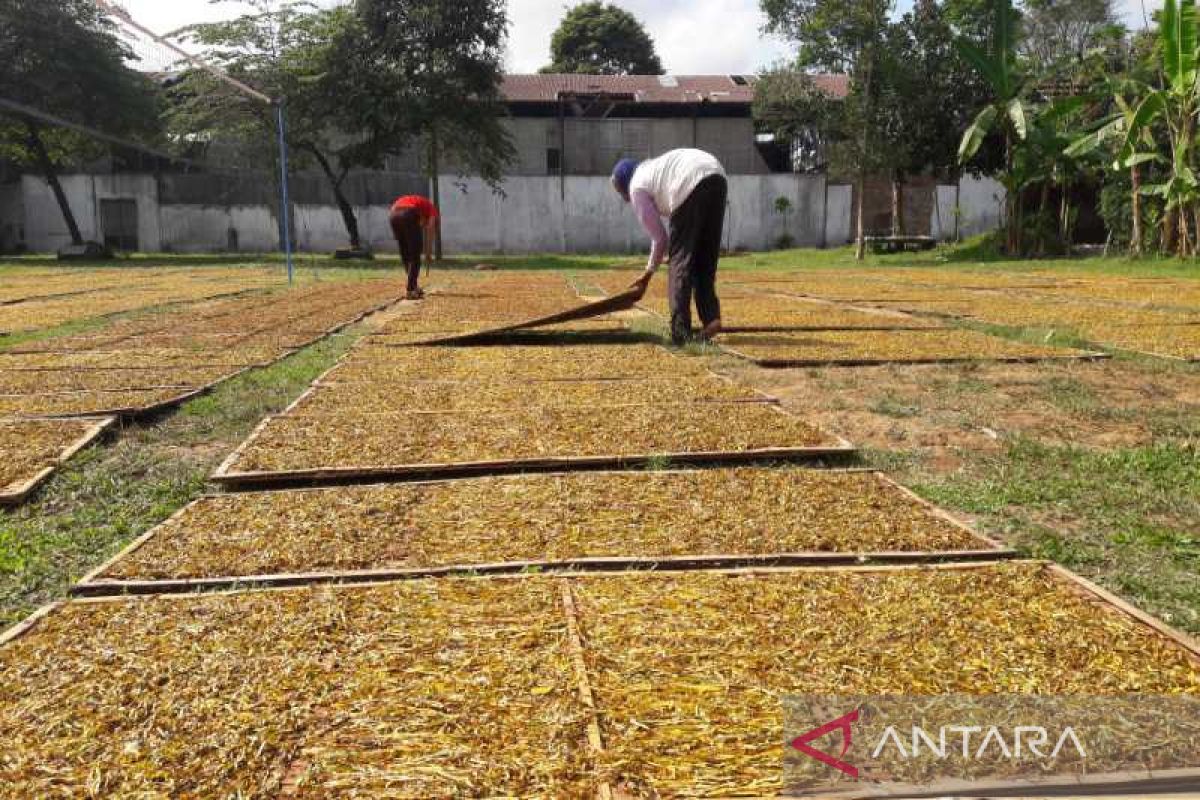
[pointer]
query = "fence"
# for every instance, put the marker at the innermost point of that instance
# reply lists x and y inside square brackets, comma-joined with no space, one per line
[573,214]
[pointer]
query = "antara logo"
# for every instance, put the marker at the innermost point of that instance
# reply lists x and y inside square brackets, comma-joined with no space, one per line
[843,724]
[992,742]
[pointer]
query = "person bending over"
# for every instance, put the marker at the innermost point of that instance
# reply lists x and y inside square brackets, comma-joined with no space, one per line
[413,220]
[689,187]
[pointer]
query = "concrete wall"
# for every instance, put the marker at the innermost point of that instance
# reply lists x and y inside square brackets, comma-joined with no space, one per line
[839,215]
[980,206]
[571,214]
[45,228]
[581,214]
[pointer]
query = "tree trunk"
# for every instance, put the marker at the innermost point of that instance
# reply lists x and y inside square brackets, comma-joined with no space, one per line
[1064,218]
[1135,175]
[860,244]
[1012,224]
[897,207]
[34,139]
[437,193]
[1185,240]
[1168,232]
[1195,212]
[348,217]
[860,237]
[1043,212]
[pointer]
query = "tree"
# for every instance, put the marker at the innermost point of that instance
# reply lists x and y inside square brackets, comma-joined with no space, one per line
[841,36]
[789,104]
[286,50]
[1058,35]
[926,96]
[598,39]
[64,58]
[431,72]
[1170,113]
[1008,112]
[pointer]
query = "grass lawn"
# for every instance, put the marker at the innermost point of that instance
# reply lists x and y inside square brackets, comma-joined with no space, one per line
[110,494]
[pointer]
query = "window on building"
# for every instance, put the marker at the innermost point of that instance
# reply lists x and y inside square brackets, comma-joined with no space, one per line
[553,161]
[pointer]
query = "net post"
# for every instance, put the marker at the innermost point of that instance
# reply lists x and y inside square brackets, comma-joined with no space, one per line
[285,207]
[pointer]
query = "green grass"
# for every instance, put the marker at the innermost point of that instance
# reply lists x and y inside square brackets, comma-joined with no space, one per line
[110,494]
[978,254]
[1129,517]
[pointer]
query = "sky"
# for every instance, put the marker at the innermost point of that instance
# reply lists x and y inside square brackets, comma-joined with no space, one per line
[692,36]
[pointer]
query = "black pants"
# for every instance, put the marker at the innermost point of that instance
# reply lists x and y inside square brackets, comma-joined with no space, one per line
[696,229]
[406,227]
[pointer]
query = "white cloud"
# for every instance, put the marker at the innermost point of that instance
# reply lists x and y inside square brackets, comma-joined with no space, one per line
[691,36]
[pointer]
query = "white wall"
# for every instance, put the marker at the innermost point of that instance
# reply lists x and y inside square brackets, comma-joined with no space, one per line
[981,206]
[46,229]
[575,214]
[839,215]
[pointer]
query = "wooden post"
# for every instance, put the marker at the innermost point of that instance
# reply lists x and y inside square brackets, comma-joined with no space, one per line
[435,190]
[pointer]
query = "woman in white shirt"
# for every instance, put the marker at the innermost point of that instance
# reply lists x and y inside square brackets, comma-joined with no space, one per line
[689,187]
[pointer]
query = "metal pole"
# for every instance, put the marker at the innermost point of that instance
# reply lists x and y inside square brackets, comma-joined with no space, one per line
[285,208]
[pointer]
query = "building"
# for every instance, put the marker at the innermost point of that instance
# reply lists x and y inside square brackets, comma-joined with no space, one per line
[569,130]
[582,124]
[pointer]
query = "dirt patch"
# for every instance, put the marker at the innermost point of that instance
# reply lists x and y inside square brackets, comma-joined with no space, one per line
[941,413]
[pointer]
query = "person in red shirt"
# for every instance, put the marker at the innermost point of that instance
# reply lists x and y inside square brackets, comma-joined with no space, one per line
[413,220]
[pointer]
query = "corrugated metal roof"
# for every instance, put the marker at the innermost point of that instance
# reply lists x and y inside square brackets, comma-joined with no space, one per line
[649,88]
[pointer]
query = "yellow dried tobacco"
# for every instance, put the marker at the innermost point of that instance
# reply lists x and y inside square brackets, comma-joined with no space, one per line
[399,440]
[503,395]
[541,517]
[545,362]
[689,671]
[30,446]
[1176,341]
[414,690]
[86,403]
[53,381]
[883,346]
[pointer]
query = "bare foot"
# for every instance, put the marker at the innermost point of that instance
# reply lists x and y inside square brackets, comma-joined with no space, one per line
[711,330]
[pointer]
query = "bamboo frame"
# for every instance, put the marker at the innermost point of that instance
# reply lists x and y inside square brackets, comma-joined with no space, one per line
[99,587]
[294,409]
[94,584]
[1070,579]
[138,413]
[227,477]
[595,737]
[134,412]
[24,489]
[793,363]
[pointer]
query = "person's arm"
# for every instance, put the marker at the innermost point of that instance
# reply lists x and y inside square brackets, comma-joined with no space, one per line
[430,232]
[648,214]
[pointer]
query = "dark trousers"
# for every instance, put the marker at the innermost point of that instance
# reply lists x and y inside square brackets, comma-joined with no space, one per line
[406,227]
[696,229]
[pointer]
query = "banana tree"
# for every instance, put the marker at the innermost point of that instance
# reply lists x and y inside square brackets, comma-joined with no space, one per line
[1007,114]
[1109,134]
[1171,110]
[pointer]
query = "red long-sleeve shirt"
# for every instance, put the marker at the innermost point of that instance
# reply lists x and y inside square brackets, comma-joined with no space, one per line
[426,209]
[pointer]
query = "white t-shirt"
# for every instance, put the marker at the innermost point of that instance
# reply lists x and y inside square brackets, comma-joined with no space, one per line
[671,178]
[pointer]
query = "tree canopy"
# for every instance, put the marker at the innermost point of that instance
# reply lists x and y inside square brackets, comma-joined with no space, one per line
[286,50]
[602,39]
[65,58]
